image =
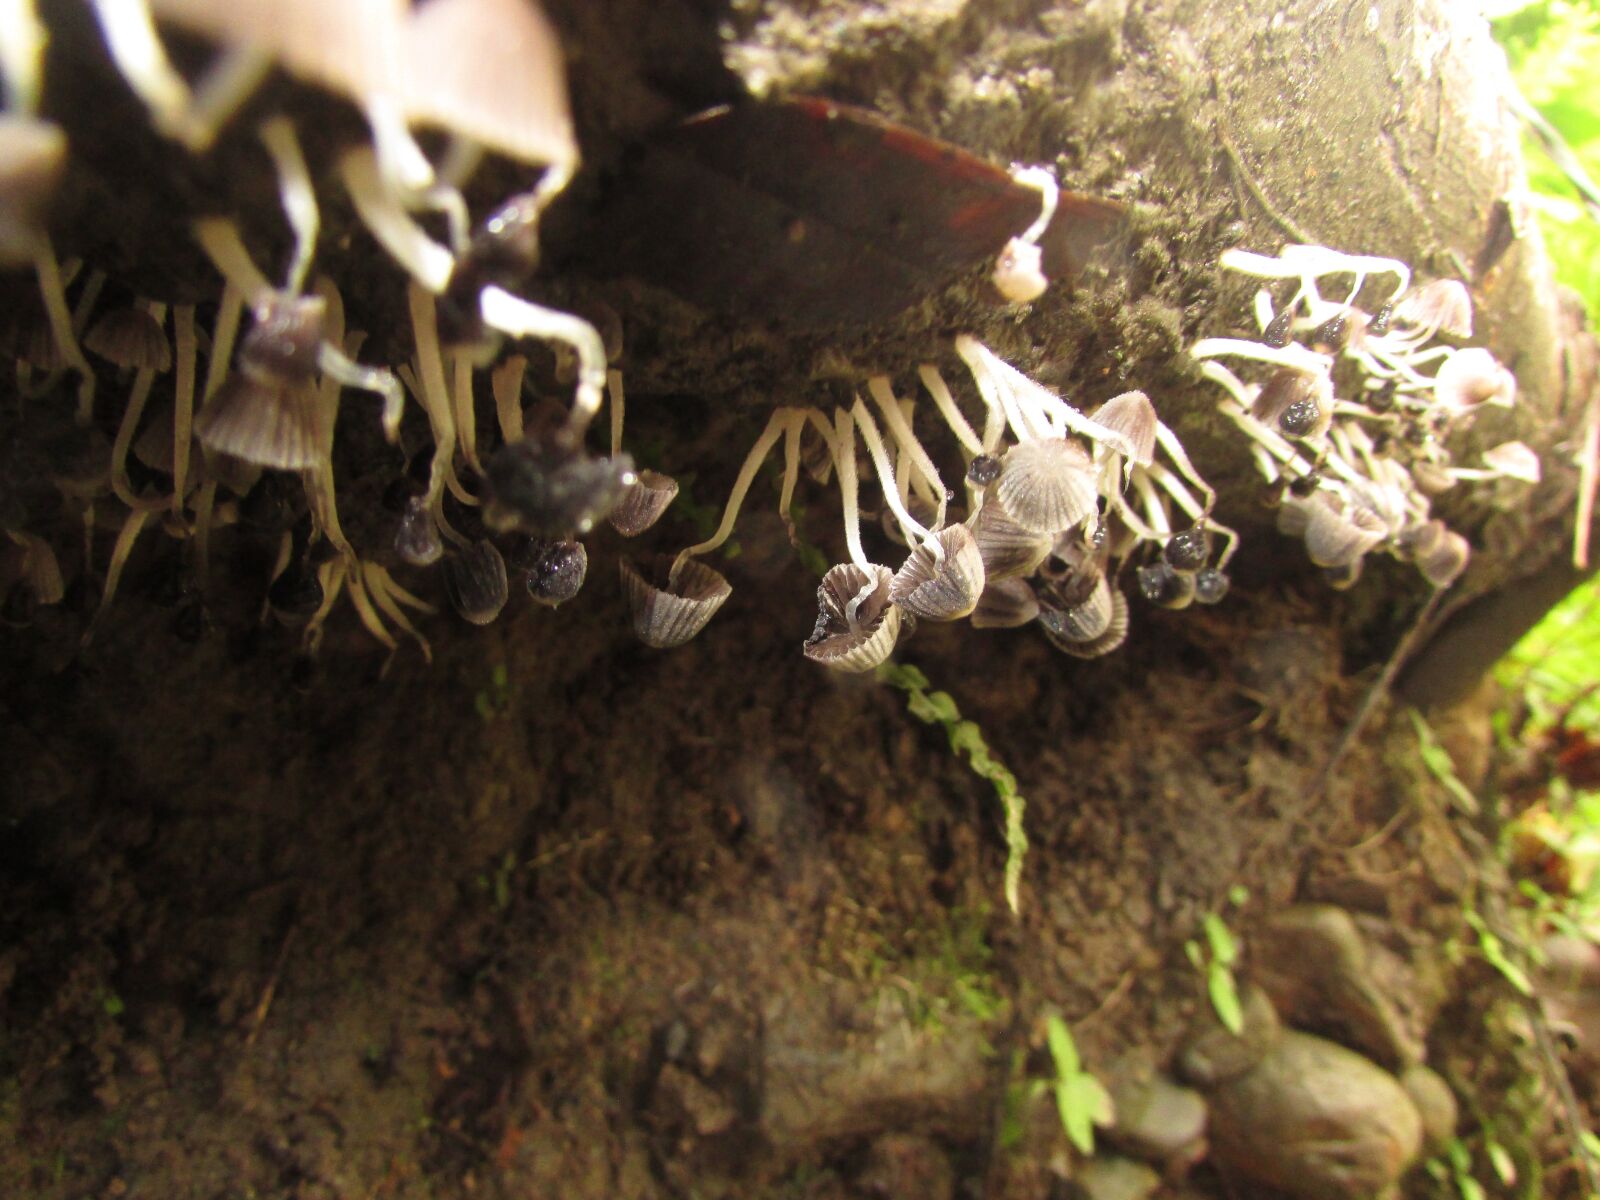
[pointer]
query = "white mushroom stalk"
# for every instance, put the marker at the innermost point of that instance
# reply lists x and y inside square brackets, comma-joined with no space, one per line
[22,42]
[916,533]
[779,424]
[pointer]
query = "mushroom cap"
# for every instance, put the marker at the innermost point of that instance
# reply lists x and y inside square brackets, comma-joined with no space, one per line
[264,424]
[130,337]
[281,347]
[1337,537]
[1084,621]
[1019,272]
[643,503]
[1443,557]
[1210,585]
[1473,377]
[1515,460]
[1133,417]
[349,47]
[154,445]
[1047,485]
[667,612]
[491,70]
[1005,604]
[33,154]
[1116,632]
[475,580]
[557,571]
[1008,550]
[1443,305]
[1298,402]
[857,623]
[941,590]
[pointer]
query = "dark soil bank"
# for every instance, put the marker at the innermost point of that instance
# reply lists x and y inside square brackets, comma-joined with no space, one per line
[559,915]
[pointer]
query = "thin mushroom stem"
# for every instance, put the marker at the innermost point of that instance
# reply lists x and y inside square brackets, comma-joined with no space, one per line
[1180,458]
[427,262]
[297,195]
[54,294]
[1155,511]
[883,394]
[184,345]
[142,381]
[618,401]
[219,238]
[741,487]
[431,390]
[223,334]
[129,29]
[842,444]
[465,412]
[506,383]
[228,82]
[518,318]
[916,533]
[119,559]
[1294,355]
[794,428]
[946,404]
[1043,181]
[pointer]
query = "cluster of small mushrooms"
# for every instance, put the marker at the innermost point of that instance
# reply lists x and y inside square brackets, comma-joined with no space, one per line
[1353,409]
[1059,504]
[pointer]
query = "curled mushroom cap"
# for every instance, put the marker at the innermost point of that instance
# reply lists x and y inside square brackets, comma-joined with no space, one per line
[1047,485]
[1442,305]
[1337,538]
[857,623]
[1514,460]
[1133,417]
[1008,550]
[669,607]
[1084,621]
[33,154]
[1440,553]
[1115,633]
[476,582]
[1005,604]
[130,337]
[1472,377]
[945,588]
[643,503]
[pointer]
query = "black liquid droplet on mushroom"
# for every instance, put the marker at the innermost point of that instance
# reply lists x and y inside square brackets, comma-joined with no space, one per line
[1300,418]
[1381,400]
[983,470]
[1380,321]
[1188,550]
[551,488]
[1276,334]
[1210,586]
[295,594]
[1305,485]
[1331,333]
[557,572]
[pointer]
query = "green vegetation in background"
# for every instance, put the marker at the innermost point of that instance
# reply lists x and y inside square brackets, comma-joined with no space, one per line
[1554,49]
[1556,667]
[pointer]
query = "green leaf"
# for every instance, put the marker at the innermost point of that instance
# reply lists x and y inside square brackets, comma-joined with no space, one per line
[1238,895]
[944,704]
[1196,959]
[1500,1159]
[1224,995]
[1063,1050]
[1223,948]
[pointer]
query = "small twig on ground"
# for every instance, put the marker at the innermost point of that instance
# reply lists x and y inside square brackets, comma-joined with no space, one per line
[259,1017]
[1557,1074]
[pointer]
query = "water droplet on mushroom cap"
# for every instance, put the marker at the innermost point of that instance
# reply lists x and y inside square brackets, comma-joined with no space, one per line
[553,488]
[1160,584]
[857,624]
[1210,586]
[557,571]
[1084,621]
[983,470]
[1188,550]
[668,611]
[946,589]
[475,580]
[416,538]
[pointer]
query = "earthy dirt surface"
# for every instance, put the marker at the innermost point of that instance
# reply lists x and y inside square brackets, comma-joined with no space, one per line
[558,915]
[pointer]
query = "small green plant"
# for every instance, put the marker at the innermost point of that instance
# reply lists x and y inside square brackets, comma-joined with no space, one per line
[1081,1099]
[494,701]
[497,883]
[1216,963]
[1437,759]
[938,708]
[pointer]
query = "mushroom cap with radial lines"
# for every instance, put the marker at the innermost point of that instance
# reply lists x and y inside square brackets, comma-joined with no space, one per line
[643,503]
[1514,460]
[857,623]
[1132,417]
[1442,305]
[1116,632]
[945,589]
[1005,604]
[263,424]
[1047,485]
[668,612]
[1007,548]
[130,337]
[476,582]
[1473,377]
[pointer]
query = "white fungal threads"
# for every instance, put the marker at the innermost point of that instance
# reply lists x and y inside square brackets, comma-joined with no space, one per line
[1364,467]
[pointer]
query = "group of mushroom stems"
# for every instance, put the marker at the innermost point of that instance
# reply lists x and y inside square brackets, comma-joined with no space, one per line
[1060,506]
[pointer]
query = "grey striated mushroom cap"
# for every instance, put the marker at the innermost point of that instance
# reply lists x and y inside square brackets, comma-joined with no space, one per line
[1114,634]
[475,580]
[643,503]
[1008,550]
[130,337]
[263,423]
[1337,537]
[942,590]
[1086,620]
[857,623]
[1005,604]
[1132,418]
[669,608]
[1047,485]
